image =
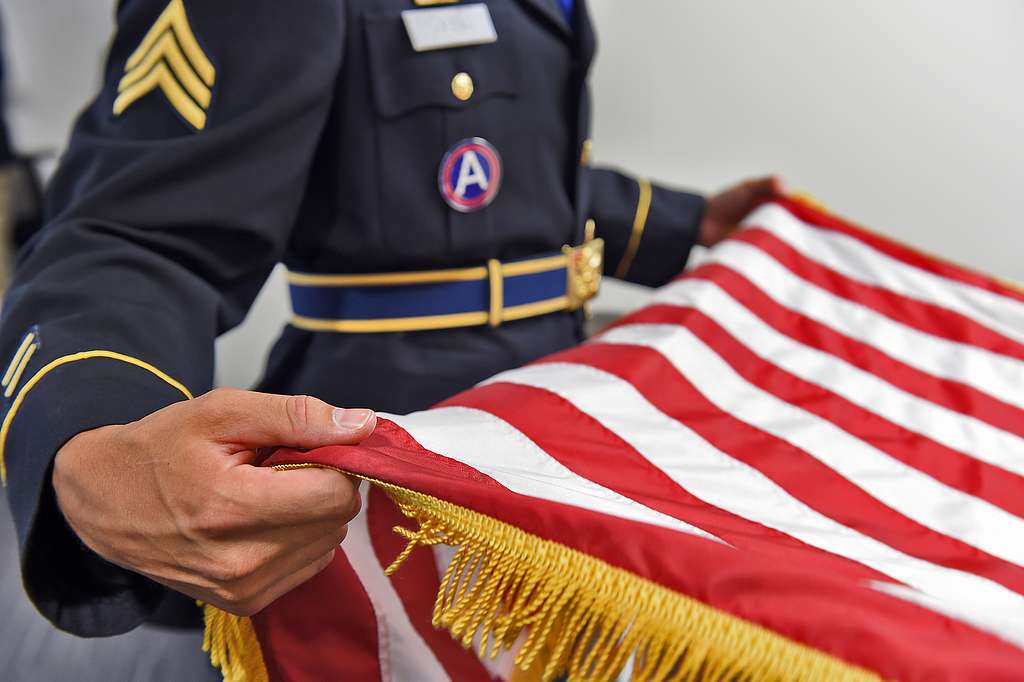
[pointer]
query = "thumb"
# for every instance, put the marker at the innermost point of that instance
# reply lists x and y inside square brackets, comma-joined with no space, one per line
[258,420]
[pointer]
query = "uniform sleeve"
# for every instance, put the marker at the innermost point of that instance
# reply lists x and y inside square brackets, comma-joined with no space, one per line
[648,229]
[173,201]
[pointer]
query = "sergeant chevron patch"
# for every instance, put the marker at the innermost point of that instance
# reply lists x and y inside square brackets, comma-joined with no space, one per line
[170,58]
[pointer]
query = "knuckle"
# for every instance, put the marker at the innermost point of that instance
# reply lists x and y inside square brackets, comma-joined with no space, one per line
[213,517]
[208,523]
[232,572]
[299,410]
[221,394]
[344,499]
[226,575]
[228,596]
[238,602]
[323,562]
[209,399]
[214,401]
[248,608]
[132,437]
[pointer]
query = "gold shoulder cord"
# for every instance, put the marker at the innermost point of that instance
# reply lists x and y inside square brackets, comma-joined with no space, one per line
[643,207]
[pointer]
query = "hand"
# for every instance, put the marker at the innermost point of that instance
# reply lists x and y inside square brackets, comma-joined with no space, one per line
[176,496]
[725,210]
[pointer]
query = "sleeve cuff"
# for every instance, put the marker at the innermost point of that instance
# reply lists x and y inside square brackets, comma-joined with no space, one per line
[73,587]
[670,232]
[648,229]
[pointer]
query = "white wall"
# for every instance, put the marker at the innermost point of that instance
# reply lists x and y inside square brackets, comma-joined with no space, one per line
[905,115]
[54,52]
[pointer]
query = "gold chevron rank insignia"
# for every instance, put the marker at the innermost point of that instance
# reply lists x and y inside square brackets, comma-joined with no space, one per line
[169,58]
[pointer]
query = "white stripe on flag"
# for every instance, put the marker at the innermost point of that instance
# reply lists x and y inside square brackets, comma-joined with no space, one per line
[863,263]
[901,487]
[404,654]
[954,430]
[499,450]
[729,484]
[997,375]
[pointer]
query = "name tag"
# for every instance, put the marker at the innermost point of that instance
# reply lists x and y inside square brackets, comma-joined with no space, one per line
[442,27]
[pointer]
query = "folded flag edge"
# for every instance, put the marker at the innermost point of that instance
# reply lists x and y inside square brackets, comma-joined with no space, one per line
[585,616]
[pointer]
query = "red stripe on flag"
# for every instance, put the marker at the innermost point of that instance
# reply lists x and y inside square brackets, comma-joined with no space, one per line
[907,254]
[586,447]
[324,629]
[805,477]
[417,585]
[926,317]
[949,394]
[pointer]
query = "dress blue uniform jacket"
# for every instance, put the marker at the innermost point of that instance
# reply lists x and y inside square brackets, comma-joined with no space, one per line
[319,147]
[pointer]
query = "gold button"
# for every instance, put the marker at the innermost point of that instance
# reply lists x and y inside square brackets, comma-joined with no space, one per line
[588,146]
[462,86]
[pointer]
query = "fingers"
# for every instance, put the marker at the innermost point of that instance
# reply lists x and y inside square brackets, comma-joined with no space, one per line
[246,602]
[290,582]
[297,496]
[277,575]
[287,562]
[257,563]
[764,187]
[247,565]
[254,420]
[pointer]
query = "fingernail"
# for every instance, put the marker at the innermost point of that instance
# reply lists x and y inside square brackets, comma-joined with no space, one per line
[351,419]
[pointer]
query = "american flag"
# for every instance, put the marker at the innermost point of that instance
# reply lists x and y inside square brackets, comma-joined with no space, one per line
[803,460]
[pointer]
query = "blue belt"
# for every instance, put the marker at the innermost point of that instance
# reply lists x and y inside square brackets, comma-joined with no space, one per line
[441,299]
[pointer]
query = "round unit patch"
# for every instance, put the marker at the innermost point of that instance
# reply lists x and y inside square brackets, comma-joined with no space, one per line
[470,174]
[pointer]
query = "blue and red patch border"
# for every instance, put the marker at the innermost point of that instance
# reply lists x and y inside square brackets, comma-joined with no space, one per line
[448,161]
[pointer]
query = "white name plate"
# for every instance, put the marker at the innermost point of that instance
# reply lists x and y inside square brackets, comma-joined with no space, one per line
[444,27]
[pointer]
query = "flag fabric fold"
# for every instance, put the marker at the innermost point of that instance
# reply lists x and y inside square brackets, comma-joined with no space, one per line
[804,460]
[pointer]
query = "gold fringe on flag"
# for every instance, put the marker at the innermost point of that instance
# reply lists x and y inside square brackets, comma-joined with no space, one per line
[581,616]
[233,647]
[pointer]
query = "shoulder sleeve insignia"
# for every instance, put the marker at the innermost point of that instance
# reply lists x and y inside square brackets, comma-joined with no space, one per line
[169,58]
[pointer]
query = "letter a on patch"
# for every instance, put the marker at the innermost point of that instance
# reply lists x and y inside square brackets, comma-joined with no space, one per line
[470,174]
[170,59]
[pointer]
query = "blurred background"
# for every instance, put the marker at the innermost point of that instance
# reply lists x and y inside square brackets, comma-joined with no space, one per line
[903,115]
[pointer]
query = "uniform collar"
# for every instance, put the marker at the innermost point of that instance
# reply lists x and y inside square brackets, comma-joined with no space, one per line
[583,36]
[551,10]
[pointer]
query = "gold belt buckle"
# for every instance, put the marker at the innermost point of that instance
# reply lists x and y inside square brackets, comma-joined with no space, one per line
[584,270]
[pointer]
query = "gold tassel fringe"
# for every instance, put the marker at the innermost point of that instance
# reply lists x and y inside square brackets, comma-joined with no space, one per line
[585,617]
[580,616]
[233,647]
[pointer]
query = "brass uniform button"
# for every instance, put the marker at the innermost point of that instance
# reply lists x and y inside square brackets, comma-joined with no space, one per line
[462,86]
[588,146]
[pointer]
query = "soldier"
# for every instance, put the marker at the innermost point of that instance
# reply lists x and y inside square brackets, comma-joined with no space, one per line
[424,174]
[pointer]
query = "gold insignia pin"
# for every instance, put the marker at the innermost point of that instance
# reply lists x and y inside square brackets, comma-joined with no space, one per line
[170,58]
